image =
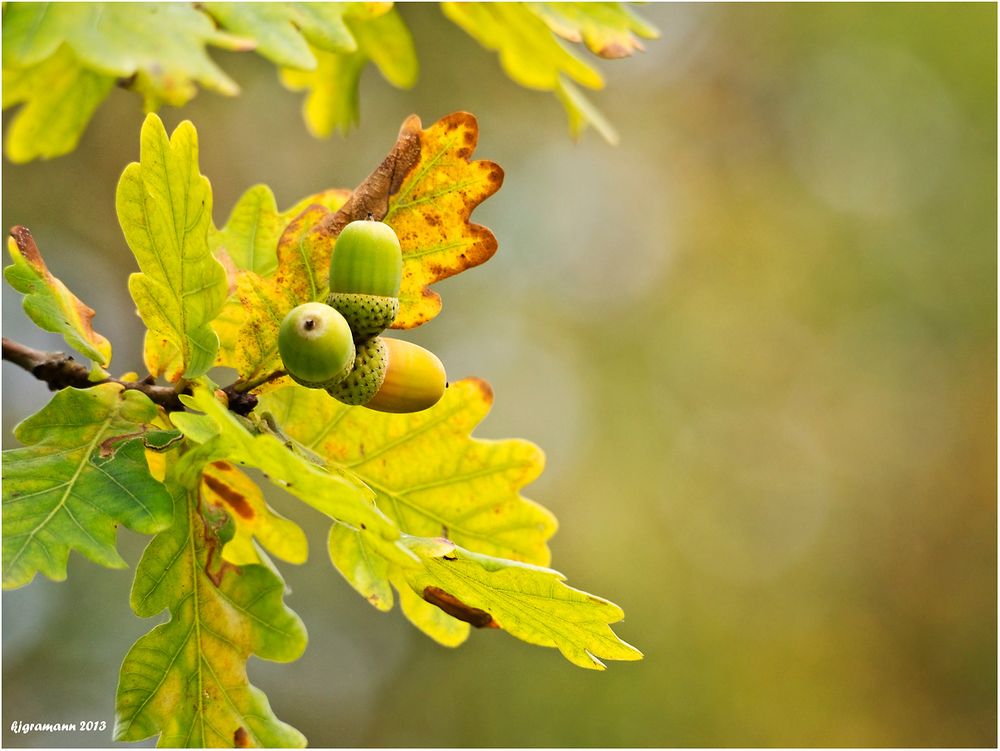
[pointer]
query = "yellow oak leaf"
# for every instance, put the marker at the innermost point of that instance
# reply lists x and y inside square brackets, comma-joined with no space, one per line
[49,303]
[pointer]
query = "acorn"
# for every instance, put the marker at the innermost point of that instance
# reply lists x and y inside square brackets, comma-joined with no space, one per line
[392,375]
[316,345]
[414,379]
[366,269]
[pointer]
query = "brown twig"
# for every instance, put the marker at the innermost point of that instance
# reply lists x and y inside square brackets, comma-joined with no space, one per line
[59,370]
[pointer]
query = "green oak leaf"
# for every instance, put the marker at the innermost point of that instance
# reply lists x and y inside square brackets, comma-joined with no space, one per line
[49,303]
[60,493]
[164,207]
[282,32]
[59,95]
[62,59]
[364,569]
[529,602]
[163,43]
[323,25]
[332,102]
[271,27]
[331,494]
[529,54]
[33,32]
[186,679]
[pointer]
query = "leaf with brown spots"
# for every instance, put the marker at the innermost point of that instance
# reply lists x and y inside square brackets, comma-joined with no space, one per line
[225,486]
[426,189]
[458,609]
[49,303]
[186,680]
[430,213]
[235,439]
[529,602]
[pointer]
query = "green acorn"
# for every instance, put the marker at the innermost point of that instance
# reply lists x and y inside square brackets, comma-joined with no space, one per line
[366,269]
[366,375]
[316,345]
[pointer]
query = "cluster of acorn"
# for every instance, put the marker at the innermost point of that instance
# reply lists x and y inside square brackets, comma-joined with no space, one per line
[337,345]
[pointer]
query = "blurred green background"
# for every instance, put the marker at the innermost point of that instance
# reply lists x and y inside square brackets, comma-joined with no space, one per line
[757,341]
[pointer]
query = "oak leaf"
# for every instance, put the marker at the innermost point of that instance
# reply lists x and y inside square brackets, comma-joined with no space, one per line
[378,35]
[62,492]
[522,34]
[186,679]
[430,477]
[49,303]
[529,602]
[164,207]
[426,189]
[59,95]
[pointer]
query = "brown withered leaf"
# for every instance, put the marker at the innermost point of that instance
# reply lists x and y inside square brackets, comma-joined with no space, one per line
[426,189]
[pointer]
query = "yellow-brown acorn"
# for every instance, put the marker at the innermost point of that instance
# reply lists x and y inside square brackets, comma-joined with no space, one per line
[392,375]
[414,380]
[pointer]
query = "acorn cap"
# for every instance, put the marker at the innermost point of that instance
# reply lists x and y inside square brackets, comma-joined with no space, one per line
[414,379]
[365,378]
[367,259]
[367,315]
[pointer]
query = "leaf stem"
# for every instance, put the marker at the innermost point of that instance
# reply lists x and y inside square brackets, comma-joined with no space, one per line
[242,387]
